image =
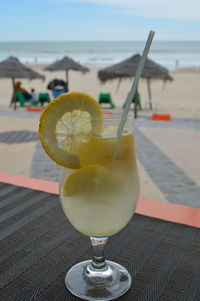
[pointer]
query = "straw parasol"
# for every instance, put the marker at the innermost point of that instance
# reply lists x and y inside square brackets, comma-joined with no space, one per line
[66,64]
[128,67]
[13,68]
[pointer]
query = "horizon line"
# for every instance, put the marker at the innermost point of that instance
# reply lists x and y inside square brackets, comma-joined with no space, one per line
[51,41]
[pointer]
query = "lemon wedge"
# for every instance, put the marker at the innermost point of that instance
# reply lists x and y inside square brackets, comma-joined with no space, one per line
[90,182]
[66,122]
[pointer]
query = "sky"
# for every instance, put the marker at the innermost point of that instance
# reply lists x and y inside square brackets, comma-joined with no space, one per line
[50,20]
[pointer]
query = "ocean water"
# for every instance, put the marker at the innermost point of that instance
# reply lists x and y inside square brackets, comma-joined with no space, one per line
[168,53]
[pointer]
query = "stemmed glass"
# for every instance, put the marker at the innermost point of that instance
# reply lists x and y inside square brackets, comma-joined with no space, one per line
[99,199]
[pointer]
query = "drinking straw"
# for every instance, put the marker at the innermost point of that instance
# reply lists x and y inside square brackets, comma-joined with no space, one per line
[131,95]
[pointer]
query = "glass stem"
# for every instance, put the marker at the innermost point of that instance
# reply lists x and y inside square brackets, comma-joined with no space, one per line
[98,260]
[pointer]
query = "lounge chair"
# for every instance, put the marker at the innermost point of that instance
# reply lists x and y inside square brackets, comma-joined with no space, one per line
[106,98]
[137,96]
[151,103]
[43,97]
[22,100]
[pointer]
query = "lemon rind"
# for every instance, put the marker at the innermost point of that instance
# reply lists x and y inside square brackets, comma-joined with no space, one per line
[73,161]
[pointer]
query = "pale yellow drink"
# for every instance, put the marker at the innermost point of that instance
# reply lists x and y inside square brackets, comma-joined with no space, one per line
[101,198]
[99,185]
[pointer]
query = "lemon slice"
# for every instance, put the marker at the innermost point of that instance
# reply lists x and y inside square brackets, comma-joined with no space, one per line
[100,150]
[91,182]
[66,122]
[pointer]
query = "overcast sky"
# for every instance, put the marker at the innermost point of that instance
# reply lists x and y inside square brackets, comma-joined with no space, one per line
[46,20]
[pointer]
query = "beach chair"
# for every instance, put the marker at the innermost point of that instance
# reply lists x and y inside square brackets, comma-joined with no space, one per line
[106,98]
[137,96]
[151,104]
[21,99]
[43,97]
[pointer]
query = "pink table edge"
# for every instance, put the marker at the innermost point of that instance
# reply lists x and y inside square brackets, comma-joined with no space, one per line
[166,211]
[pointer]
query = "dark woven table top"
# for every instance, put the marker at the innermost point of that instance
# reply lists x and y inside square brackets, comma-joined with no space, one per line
[38,246]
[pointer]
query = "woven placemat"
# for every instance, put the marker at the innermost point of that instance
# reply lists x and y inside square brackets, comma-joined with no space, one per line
[38,246]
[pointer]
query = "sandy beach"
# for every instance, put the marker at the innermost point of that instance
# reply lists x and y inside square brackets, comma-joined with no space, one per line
[179,98]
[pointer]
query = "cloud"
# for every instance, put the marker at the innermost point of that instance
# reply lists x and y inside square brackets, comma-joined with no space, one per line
[168,9]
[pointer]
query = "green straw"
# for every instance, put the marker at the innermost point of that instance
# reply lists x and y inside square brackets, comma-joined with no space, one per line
[131,95]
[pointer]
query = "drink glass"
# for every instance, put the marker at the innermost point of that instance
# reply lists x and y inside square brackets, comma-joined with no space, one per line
[103,202]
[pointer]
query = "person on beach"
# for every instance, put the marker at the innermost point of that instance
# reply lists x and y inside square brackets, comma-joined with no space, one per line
[19,88]
[34,95]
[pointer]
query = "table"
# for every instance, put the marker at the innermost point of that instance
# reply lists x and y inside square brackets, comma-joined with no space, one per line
[38,246]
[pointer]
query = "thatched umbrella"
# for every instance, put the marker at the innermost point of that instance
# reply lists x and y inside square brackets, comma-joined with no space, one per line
[66,64]
[128,67]
[13,68]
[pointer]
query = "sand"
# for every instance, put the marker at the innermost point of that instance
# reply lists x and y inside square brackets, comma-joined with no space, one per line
[148,189]
[184,151]
[17,158]
[180,98]
[17,124]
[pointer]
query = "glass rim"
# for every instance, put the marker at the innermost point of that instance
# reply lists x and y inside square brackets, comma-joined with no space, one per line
[109,115]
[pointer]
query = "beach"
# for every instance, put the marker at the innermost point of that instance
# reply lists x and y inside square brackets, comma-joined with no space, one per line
[179,98]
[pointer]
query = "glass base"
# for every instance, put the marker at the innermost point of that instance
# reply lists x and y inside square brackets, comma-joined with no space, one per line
[107,283]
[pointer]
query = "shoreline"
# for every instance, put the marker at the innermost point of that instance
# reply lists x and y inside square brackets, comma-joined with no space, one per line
[187,69]
[169,53]
[42,65]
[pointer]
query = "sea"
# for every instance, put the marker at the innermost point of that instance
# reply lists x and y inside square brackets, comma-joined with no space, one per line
[170,54]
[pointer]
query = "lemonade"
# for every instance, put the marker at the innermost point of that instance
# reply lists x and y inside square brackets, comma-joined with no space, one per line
[99,185]
[104,196]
